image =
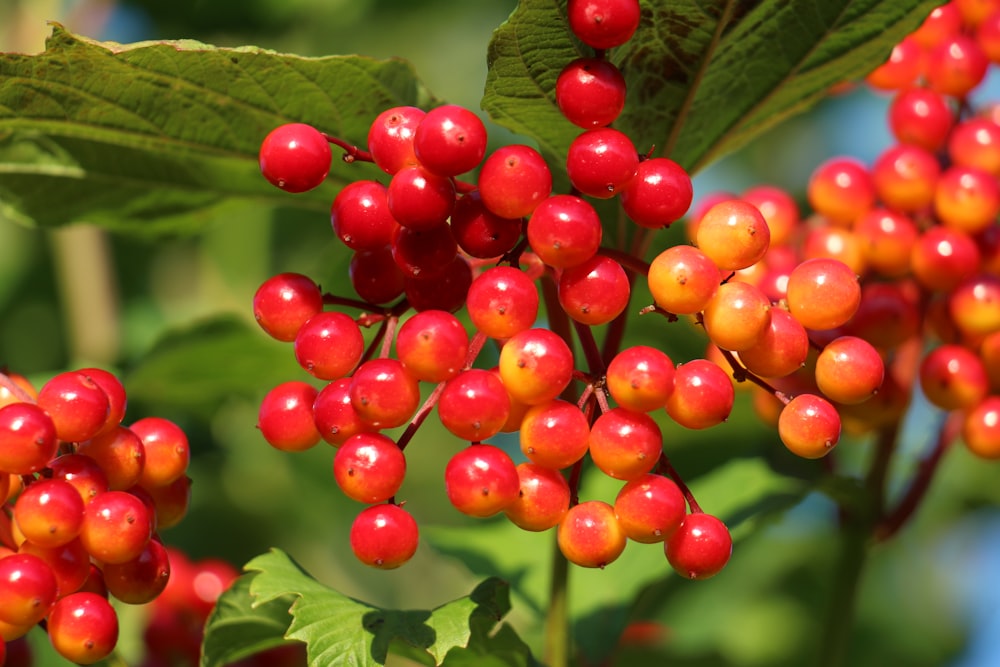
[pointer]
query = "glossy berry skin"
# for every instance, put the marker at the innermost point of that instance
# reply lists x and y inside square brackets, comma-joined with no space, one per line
[981,428]
[953,377]
[601,162]
[975,142]
[974,305]
[624,444]
[480,232]
[27,589]
[900,70]
[167,450]
[943,258]
[590,535]
[781,349]
[887,239]
[921,117]
[285,417]
[375,276]
[329,345]
[841,190]
[369,467]
[682,279]
[142,579]
[481,480]
[542,501]
[419,198]
[513,180]
[120,453]
[967,198]
[594,292]
[384,536]
[603,24]
[700,547]
[49,512]
[424,253]
[703,395]
[284,302]
[555,434]
[390,138]
[384,393]
[733,234]
[360,215]
[432,345]
[116,527]
[474,405]
[956,66]
[78,406]
[904,176]
[809,426]
[823,293]
[114,390]
[849,370]
[83,472]
[535,366]
[29,438]
[650,508]
[83,627]
[737,316]
[590,92]
[640,378]
[502,301]
[442,291]
[659,194]
[295,157]
[450,140]
[564,231]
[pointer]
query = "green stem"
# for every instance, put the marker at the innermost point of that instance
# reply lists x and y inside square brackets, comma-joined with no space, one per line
[556,649]
[858,523]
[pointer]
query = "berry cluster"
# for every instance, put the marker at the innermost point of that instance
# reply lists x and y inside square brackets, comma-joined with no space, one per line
[83,498]
[919,228]
[820,315]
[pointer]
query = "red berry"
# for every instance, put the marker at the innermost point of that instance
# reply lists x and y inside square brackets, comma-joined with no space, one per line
[384,536]
[590,534]
[295,157]
[369,467]
[450,140]
[660,193]
[513,180]
[390,138]
[474,405]
[78,406]
[360,215]
[650,508]
[83,627]
[384,393]
[27,589]
[542,501]
[601,162]
[603,24]
[700,547]
[285,418]
[375,276]
[809,426]
[564,231]
[594,292]
[480,232]
[502,301]
[481,480]
[432,345]
[590,92]
[420,199]
[167,450]
[329,345]
[29,438]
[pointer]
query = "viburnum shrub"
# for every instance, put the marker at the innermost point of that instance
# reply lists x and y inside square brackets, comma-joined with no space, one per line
[533,292]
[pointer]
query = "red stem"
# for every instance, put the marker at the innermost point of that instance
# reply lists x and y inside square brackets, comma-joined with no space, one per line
[11,386]
[664,467]
[420,416]
[351,152]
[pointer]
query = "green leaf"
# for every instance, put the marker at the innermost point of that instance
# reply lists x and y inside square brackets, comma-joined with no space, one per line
[339,630]
[138,137]
[198,367]
[704,76]
[237,628]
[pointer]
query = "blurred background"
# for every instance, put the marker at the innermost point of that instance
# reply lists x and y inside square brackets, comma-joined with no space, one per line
[152,308]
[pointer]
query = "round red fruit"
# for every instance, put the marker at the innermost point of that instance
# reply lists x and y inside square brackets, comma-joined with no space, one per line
[83,627]
[369,467]
[590,92]
[590,534]
[481,480]
[384,536]
[295,157]
[700,547]
[450,140]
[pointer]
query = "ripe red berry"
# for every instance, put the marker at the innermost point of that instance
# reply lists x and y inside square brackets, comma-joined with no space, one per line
[369,467]
[420,199]
[27,589]
[809,426]
[536,365]
[49,512]
[554,434]
[922,117]
[329,345]
[590,92]
[640,378]
[703,395]
[375,276]
[390,138]
[823,293]
[285,418]
[513,180]
[29,438]
[83,627]
[700,547]
[78,406]
[542,501]
[481,480]
[474,405]
[432,345]
[167,450]
[295,157]
[502,301]
[384,536]
[603,24]
[116,527]
[733,234]
[659,194]
[650,508]
[564,231]
[590,534]
[625,444]
[360,215]
[384,393]
[601,162]
[594,292]
[480,232]
[450,140]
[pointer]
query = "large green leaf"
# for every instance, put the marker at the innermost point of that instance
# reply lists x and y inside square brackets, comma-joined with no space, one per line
[704,76]
[339,630]
[140,136]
